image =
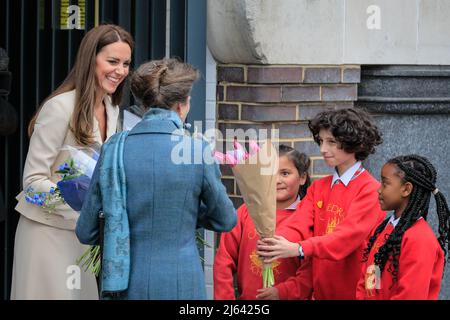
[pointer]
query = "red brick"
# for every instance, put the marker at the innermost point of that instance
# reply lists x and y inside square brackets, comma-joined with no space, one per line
[300,93]
[311,148]
[228,111]
[229,185]
[340,93]
[345,105]
[293,131]
[322,75]
[230,74]
[220,93]
[253,130]
[321,168]
[309,111]
[268,113]
[253,94]
[274,75]
[352,75]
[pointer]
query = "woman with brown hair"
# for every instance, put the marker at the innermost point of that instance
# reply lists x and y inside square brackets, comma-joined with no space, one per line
[81,112]
[153,197]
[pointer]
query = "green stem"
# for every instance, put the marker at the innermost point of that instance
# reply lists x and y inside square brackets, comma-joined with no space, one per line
[268,277]
[90,260]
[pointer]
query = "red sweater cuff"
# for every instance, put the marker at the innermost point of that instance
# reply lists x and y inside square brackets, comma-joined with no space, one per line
[307,247]
[282,291]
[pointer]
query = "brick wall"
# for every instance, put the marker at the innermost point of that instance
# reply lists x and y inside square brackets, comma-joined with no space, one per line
[283,98]
[210,122]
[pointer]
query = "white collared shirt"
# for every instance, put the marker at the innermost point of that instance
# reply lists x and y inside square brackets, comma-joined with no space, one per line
[394,221]
[293,206]
[347,176]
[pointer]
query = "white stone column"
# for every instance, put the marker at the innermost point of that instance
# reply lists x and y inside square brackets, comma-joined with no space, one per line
[330,31]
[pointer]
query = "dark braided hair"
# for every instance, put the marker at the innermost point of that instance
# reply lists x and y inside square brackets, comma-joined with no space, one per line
[301,162]
[422,175]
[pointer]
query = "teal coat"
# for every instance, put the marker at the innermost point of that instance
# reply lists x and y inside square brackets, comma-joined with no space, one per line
[171,191]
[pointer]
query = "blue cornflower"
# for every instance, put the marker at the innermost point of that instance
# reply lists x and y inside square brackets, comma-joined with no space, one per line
[36,197]
[52,190]
[28,198]
[40,202]
[33,201]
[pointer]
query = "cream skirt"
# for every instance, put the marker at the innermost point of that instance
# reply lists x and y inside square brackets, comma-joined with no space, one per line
[44,266]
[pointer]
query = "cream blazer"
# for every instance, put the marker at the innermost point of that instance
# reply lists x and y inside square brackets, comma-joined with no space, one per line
[51,133]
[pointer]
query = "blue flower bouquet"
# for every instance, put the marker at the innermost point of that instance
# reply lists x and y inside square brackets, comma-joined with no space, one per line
[76,175]
[48,201]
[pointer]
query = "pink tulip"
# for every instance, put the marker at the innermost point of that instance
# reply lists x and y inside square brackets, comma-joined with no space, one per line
[219,156]
[254,148]
[230,159]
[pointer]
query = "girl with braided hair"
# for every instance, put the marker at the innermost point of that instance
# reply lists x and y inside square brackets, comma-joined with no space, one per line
[404,259]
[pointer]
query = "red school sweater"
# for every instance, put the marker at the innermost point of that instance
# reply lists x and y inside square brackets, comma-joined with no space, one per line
[332,225]
[420,269]
[237,255]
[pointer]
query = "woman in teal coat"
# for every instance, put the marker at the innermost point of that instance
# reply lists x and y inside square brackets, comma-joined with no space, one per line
[155,190]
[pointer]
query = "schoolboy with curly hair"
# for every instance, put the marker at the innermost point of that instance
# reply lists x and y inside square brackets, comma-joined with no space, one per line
[329,229]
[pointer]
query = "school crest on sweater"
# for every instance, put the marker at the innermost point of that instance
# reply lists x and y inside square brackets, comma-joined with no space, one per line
[256,265]
[333,216]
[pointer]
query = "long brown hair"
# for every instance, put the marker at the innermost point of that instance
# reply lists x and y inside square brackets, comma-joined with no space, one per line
[163,83]
[82,78]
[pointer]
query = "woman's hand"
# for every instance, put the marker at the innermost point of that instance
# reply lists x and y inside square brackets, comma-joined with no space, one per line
[271,249]
[268,294]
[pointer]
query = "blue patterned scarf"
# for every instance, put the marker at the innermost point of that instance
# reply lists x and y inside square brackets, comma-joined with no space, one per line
[116,248]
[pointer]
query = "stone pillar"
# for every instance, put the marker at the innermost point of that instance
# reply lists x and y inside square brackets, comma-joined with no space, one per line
[411,105]
[330,31]
[283,98]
